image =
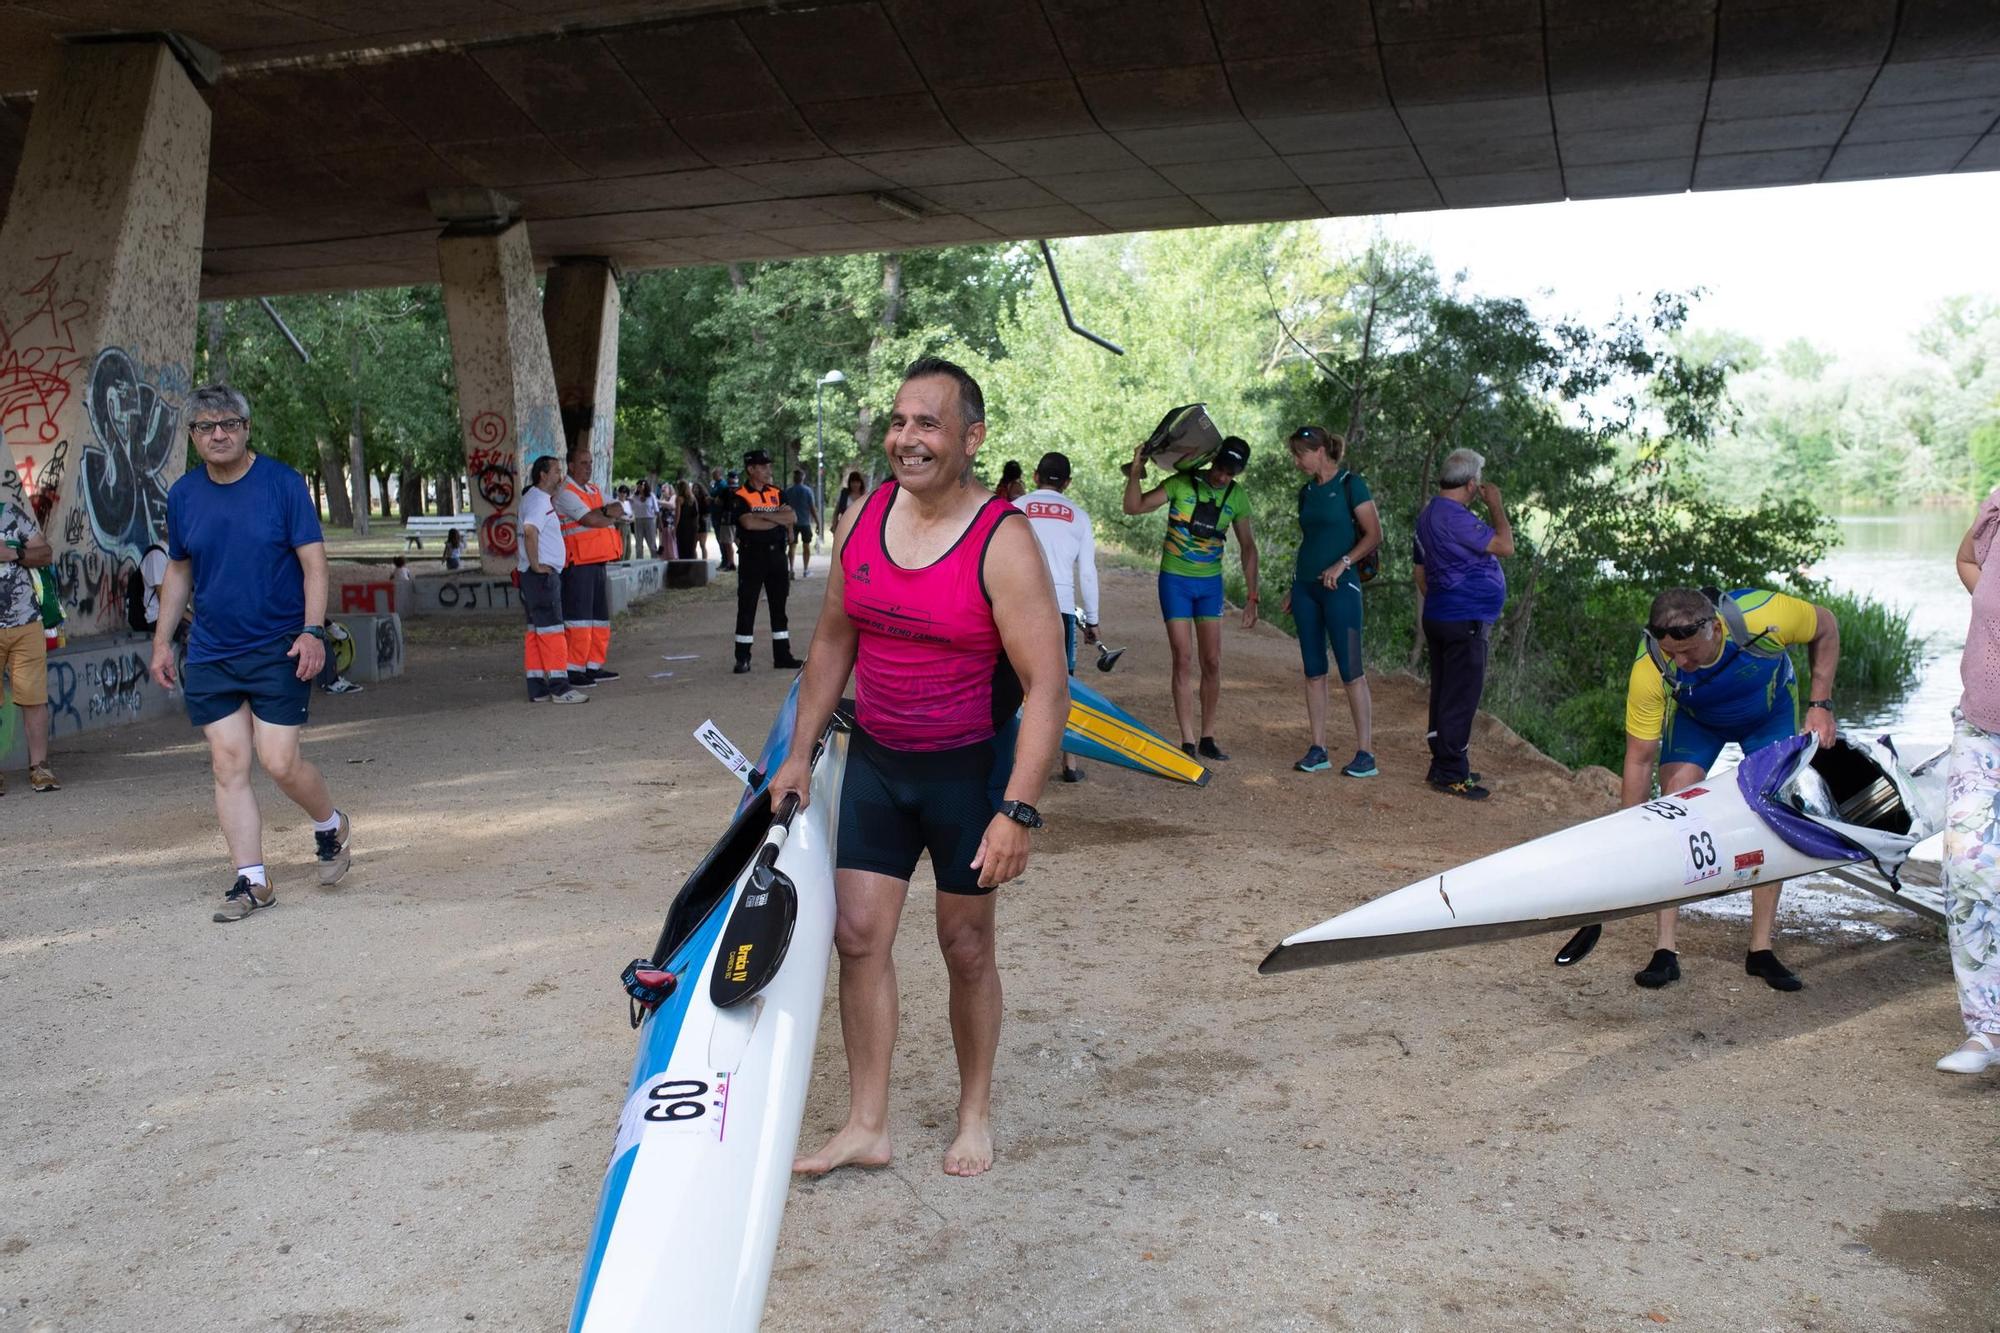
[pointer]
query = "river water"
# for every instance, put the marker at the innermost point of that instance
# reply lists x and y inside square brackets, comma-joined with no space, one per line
[1904,557]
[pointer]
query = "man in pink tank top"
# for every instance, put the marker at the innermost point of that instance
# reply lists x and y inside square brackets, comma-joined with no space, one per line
[944,612]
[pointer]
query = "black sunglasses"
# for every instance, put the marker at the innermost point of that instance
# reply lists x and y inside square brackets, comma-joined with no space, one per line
[1309,433]
[1687,631]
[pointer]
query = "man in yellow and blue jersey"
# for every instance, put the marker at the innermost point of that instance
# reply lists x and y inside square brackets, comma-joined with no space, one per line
[1712,669]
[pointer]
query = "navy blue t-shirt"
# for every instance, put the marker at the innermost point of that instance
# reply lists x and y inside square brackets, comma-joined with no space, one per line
[243,540]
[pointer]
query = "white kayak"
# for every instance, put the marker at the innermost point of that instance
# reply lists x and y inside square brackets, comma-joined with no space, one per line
[687,1225]
[1791,809]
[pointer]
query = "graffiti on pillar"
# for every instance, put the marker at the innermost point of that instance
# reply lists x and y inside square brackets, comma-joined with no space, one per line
[62,698]
[35,486]
[39,358]
[490,466]
[116,685]
[137,428]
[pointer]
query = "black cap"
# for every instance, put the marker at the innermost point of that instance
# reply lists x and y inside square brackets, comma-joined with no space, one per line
[754,457]
[1053,467]
[1234,455]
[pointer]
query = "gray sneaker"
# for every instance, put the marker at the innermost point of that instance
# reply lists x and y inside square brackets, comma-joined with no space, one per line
[569,697]
[244,898]
[336,850]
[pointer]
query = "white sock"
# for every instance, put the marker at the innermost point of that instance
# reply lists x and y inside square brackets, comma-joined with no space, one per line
[327,825]
[255,874]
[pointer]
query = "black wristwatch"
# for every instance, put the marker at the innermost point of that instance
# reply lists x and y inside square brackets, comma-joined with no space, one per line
[1022,813]
[1827,704]
[317,632]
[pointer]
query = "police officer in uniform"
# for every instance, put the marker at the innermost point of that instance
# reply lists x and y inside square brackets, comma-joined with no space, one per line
[764,524]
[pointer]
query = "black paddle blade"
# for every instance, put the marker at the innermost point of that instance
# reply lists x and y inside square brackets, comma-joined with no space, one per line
[1579,946]
[756,938]
[1108,657]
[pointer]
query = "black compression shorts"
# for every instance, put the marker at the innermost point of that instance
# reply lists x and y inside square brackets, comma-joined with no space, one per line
[897,804]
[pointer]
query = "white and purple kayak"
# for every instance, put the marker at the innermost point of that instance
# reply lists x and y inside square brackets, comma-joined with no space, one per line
[1791,809]
[687,1224]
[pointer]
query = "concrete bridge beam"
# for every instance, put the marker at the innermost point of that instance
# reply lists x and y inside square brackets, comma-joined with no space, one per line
[580,309]
[507,404]
[100,265]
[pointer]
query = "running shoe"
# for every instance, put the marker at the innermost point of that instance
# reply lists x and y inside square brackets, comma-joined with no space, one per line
[581,680]
[1363,766]
[43,778]
[244,898]
[1470,791]
[601,674]
[342,685]
[569,697]
[1315,761]
[335,848]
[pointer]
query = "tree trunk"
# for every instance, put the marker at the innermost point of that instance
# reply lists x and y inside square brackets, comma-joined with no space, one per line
[445,495]
[410,494]
[382,480]
[892,312]
[357,464]
[333,473]
[218,342]
[319,495]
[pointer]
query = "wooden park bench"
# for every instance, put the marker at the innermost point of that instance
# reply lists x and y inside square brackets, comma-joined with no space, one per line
[432,525]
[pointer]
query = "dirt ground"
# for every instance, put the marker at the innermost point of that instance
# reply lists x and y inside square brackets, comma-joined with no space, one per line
[389,1106]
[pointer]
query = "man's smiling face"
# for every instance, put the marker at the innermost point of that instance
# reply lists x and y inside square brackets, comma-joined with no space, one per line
[929,446]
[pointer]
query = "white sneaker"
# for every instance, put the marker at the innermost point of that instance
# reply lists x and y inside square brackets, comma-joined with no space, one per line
[570,697]
[1975,1057]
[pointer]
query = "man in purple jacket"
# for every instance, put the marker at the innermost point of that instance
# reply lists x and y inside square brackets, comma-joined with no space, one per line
[1463,590]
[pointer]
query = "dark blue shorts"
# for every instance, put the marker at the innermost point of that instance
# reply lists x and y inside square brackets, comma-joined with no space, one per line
[265,679]
[1190,597]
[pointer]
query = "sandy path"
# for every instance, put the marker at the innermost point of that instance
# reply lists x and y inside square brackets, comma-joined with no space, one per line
[389,1106]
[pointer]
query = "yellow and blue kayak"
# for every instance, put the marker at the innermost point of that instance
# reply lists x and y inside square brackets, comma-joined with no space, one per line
[1099,729]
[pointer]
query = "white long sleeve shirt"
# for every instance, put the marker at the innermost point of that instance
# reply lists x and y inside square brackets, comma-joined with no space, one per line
[1068,545]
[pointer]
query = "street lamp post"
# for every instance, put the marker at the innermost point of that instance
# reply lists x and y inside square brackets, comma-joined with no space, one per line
[819,410]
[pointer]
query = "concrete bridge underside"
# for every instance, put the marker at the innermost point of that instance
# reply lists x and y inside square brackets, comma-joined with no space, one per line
[658,134]
[267,146]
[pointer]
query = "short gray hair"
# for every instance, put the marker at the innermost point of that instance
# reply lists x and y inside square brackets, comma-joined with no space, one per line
[218,398]
[1460,466]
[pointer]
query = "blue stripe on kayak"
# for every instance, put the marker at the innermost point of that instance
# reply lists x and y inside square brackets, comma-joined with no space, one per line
[776,745]
[658,1038]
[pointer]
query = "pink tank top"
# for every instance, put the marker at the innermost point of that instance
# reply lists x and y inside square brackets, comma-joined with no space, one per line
[924,666]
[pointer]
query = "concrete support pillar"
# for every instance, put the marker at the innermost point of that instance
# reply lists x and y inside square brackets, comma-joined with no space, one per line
[580,310]
[506,389]
[100,267]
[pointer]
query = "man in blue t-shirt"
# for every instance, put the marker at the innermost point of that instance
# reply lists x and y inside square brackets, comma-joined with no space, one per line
[244,539]
[1463,591]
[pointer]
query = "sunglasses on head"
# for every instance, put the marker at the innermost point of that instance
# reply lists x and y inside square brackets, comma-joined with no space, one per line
[1687,631]
[1313,434]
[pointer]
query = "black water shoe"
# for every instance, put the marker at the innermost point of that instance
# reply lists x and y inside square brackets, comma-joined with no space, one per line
[1763,963]
[1208,749]
[1663,970]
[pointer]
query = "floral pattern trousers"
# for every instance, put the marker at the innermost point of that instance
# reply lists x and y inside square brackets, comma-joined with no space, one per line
[1972,872]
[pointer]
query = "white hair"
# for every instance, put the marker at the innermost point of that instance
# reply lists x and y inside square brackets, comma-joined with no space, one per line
[1460,467]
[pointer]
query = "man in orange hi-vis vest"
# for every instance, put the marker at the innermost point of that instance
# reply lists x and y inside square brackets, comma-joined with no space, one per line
[590,543]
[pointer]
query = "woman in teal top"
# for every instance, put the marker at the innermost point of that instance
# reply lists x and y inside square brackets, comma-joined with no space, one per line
[1338,528]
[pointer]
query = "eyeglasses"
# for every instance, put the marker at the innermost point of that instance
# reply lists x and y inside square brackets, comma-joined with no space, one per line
[1687,631]
[222,427]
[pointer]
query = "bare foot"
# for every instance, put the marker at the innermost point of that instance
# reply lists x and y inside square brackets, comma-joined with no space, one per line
[971,1153]
[850,1145]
